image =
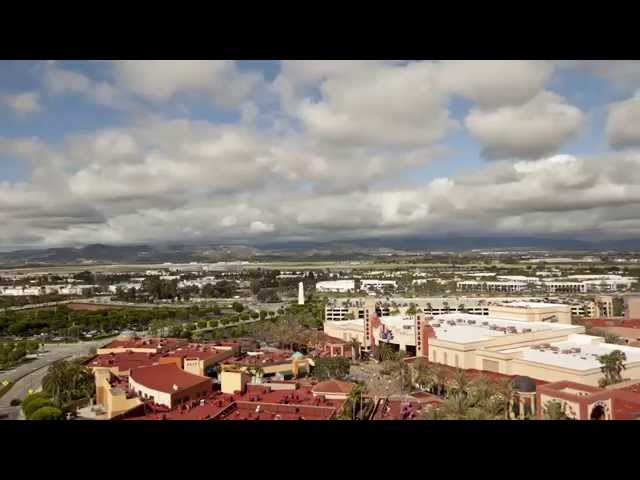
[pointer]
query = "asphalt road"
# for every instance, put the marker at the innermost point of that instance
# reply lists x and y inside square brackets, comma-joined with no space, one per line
[33,372]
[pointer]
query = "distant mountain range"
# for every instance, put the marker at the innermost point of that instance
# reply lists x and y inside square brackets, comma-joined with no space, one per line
[105,254]
[352,249]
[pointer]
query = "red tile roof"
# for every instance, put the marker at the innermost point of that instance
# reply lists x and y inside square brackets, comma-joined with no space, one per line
[265,357]
[193,350]
[250,411]
[611,322]
[160,344]
[276,402]
[401,409]
[324,338]
[634,388]
[472,373]
[573,385]
[162,378]
[123,361]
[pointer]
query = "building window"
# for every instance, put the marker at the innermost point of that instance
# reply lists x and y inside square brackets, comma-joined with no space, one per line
[445,358]
[457,363]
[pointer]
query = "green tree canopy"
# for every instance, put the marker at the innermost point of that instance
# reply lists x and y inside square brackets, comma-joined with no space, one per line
[47,413]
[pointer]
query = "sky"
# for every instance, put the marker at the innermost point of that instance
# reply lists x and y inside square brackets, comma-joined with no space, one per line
[130,152]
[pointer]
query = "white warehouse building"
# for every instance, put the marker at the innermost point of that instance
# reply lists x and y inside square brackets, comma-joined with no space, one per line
[336,286]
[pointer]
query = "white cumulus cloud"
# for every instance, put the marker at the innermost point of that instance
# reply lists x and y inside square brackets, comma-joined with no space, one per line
[535,129]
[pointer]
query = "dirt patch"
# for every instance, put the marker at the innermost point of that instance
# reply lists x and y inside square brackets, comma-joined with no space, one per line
[91,307]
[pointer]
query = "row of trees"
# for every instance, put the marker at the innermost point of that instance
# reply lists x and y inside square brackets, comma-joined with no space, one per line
[331,367]
[155,288]
[480,398]
[58,320]
[12,352]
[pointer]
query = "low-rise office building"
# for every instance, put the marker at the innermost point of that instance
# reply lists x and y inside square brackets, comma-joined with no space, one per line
[337,309]
[371,285]
[482,286]
[336,286]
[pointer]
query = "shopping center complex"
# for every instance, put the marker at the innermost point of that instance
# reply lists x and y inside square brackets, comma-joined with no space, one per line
[515,338]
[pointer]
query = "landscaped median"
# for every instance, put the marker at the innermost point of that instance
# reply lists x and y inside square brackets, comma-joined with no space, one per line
[5,386]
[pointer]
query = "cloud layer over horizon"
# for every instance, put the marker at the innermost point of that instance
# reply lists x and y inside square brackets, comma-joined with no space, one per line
[221,151]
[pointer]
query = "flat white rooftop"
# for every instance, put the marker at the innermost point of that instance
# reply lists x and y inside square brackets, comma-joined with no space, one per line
[585,359]
[348,324]
[398,321]
[486,327]
[525,304]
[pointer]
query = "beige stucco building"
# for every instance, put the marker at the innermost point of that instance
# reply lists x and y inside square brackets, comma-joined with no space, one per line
[520,338]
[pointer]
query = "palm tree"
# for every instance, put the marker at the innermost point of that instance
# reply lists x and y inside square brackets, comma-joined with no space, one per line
[504,388]
[412,311]
[612,367]
[554,410]
[256,372]
[384,353]
[456,407]
[434,413]
[422,374]
[355,348]
[459,383]
[355,397]
[440,377]
[66,381]
[482,389]
[55,381]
